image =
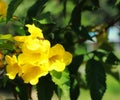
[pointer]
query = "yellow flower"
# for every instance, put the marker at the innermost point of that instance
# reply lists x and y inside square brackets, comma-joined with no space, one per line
[12,68]
[34,56]
[20,38]
[3,7]
[37,57]
[36,46]
[35,33]
[32,59]
[59,58]
[34,42]
[32,73]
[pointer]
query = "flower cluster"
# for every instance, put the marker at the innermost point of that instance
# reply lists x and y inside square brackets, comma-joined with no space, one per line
[3,7]
[37,58]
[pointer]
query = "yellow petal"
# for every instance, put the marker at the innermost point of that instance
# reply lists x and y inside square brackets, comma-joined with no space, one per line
[12,68]
[36,46]
[67,58]
[57,49]
[59,58]
[24,58]
[56,58]
[32,74]
[31,44]
[34,81]
[34,31]
[20,38]
[57,65]
[34,58]
[11,60]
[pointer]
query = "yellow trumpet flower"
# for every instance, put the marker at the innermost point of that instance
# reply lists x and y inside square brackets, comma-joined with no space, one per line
[38,58]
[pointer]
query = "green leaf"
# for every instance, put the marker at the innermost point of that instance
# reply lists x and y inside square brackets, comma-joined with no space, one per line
[117,2]
[45,88]
[74,76]
[112,59]
[100,54]
[96,79]
[45,18]
[77,61]
[35,10]
[2,19]
[6,36]
[84,33]
[62,79]
[74,86]
[64,7]
[68,39]
[6,45]
[12,7]
[75,20]
[47,29]
[22,90]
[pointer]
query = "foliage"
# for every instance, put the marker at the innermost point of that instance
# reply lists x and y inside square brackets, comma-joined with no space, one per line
[71,23]
[95,76]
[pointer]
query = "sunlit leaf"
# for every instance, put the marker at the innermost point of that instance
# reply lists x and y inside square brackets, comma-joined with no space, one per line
[62,79]
[6,36]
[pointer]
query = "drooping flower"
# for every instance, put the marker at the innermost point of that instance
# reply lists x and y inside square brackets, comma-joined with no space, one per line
[59,58]
[3,8]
